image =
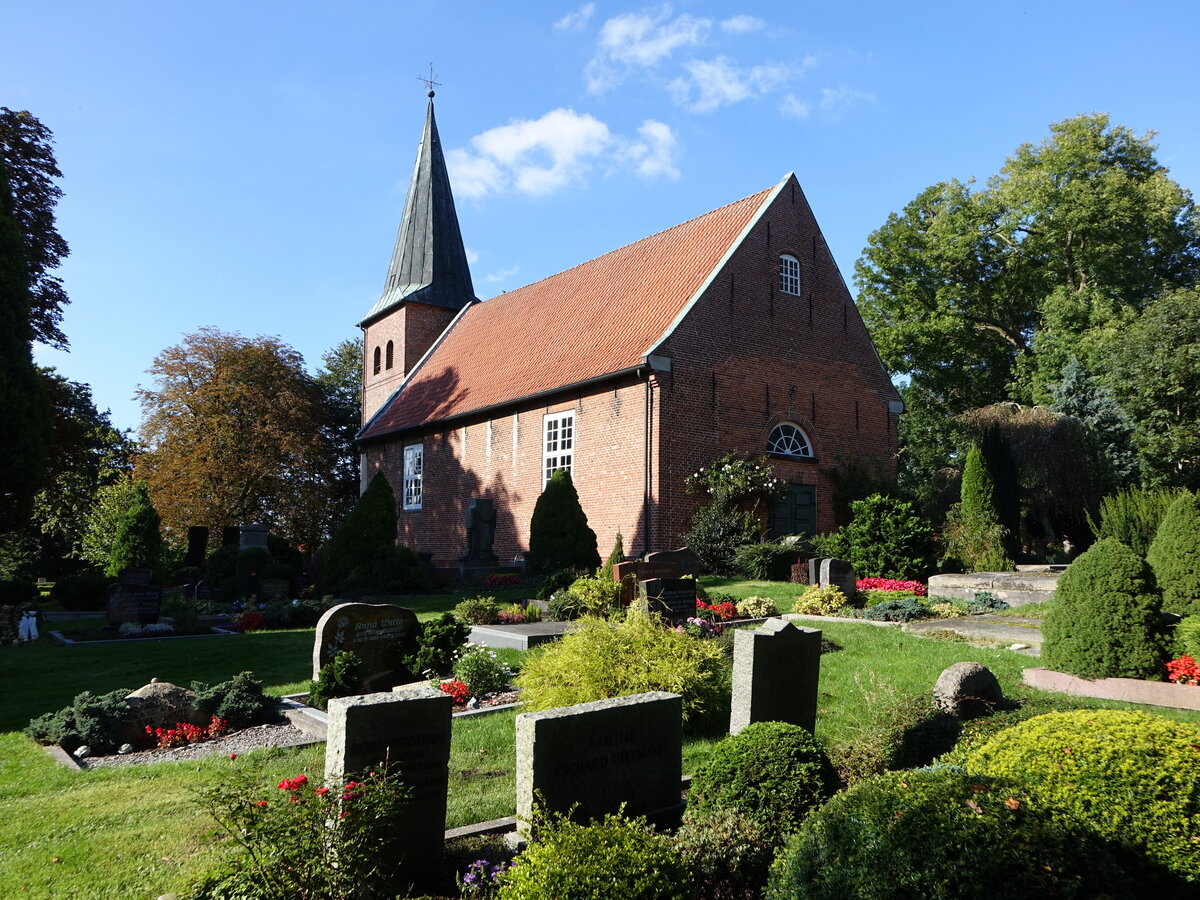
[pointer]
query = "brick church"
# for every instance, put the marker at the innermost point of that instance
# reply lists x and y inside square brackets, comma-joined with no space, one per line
[731,331]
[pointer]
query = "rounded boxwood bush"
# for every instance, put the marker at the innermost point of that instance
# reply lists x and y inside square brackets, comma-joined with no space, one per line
[1175,555]
[1105,620]
[1130,777]
[935,832]
[613,859]
[771,772]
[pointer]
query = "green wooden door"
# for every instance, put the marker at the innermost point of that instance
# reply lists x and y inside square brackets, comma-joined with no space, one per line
[795,512]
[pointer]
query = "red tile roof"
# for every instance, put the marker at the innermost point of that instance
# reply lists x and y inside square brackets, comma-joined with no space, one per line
[596,319]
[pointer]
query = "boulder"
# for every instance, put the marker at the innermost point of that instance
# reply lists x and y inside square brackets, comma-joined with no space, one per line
[967,690]
[160,704]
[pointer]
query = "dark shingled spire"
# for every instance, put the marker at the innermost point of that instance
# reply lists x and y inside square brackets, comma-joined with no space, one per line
[429,263]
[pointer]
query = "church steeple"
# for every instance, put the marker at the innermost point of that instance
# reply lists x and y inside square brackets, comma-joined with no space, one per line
[429,262]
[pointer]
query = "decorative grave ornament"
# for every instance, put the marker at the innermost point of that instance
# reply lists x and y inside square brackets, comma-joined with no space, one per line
[379,633]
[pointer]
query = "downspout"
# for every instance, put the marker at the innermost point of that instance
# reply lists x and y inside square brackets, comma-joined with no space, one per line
[647,466]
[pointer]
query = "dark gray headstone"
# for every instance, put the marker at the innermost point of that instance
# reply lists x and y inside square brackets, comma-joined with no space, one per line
[133,603]
[197,546]
[966,690]
[139,577]
[776,670]
[674,598]
[381,634]
[631,573]
[814,570]
[252,536]
[685,560]
[231,536]
[840,574]
[408,731]
[601,755]
[481,531]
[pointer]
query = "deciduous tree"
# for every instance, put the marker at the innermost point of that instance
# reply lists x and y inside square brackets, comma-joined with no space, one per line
[235,432]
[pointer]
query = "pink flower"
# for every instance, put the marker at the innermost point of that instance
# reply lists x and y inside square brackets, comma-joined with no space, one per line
[321,791]
[233,756]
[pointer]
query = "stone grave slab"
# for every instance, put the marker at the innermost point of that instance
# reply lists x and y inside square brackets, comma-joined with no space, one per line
[381,634]
[840,574]
[776,670]
[252,536]
[673,598]
[600,755]
[408,731]
[133,603]
[629,574]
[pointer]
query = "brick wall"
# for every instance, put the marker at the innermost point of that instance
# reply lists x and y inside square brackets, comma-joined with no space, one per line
[412,329]
[744,359]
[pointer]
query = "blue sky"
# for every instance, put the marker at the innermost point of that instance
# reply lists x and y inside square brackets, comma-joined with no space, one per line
[243,165]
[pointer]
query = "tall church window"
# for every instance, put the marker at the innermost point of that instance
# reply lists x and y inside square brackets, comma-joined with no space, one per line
[788,440]
[414,475]
[789,274]
[389,356]
[558,444]
[376,367]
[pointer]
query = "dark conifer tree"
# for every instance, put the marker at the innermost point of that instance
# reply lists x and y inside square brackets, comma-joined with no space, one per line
[559,536]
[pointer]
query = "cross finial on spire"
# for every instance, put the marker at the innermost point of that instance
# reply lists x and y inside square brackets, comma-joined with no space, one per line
[429,82]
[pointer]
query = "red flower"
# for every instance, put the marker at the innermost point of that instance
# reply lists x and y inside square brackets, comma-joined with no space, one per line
[233,756]
[261,803]
[321,791]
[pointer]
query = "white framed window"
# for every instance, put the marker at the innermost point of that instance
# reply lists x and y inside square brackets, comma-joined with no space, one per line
[558,444]
[414,475]
[789,274]
[787,439]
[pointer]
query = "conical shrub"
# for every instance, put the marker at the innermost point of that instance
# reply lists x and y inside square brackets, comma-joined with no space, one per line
[1175,555]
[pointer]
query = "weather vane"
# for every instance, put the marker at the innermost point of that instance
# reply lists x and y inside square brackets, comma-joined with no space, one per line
[429,82]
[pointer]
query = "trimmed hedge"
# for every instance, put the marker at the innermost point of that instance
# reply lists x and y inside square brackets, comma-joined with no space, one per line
[1130,777]
[936,832]
[773,773]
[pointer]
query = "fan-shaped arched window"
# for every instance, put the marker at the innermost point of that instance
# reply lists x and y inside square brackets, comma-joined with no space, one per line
[788,440]
[376,367]
[789,274]
[389,356]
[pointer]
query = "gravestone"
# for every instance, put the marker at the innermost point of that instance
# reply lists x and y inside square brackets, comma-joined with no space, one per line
[274,588]
[133,598]
[685,560]
[481,531]
[231,536]
[840,574]
[776,669]
[601,755]
[673,598]
[814,570]
[381,634]
[408,731]
[197,546]
[629,574]
[252,536]
[967,690]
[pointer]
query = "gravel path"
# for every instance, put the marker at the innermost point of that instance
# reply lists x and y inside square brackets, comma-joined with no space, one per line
[283,735]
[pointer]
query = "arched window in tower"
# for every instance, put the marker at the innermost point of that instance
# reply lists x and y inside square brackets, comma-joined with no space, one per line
[788,440]
[789,274]
[389,356]
[377,366]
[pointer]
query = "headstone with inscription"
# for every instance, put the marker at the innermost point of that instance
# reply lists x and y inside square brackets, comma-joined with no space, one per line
[133,598]
[673,598]
[840,574]
[594,757]
[776,669]
[252,536]
[407,731]
[381,634]
[630,574]
[685,560]
[197,546]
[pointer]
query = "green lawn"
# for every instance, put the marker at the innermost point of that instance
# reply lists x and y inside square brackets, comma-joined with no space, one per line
[137,832]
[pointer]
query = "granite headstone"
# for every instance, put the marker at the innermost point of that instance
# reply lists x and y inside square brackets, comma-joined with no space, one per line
[776,670]
[381,634]
[594,757]
[673,598]
[685,560]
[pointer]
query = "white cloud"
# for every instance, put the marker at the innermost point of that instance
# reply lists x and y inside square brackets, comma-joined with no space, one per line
[713,83]
[472,256]
[502,275]
[834,100]
[540,156]
[574,21]
[653,155]
[640,40]
[742,24]
[793,107]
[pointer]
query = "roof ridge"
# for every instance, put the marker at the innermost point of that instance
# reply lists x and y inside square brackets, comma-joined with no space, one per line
[647,237]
